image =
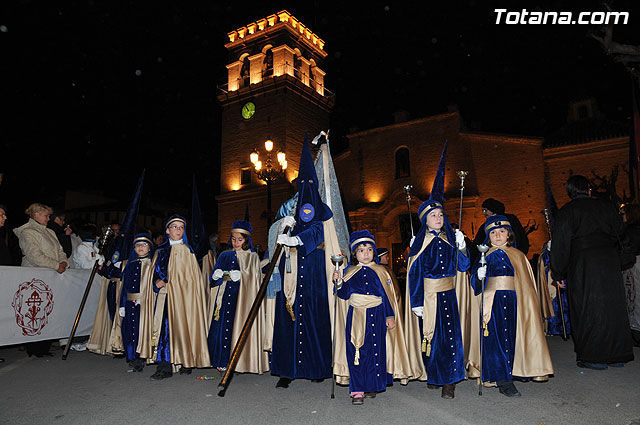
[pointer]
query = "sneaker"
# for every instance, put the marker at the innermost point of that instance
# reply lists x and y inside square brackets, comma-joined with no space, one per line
[79,346]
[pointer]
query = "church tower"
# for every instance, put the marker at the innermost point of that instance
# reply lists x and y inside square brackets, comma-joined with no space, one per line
[275,91]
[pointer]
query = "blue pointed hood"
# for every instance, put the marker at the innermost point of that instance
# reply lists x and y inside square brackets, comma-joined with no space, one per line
[436,200]
[310,207]
[122,243]
[199,238]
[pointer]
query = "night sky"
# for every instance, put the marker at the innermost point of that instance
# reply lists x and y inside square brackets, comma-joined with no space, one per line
[95,91]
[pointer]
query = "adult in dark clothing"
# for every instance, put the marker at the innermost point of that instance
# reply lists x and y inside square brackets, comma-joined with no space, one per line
[584,253]
[62,231]
[5,254]
[492,207]
[631,276]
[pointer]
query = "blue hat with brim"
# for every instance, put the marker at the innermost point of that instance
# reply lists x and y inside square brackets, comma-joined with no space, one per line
[496,222]
[243,227]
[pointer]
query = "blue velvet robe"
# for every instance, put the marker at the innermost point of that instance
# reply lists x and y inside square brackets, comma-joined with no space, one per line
[302,349]
[499,346]
[554,324]
[160,273]
[371,374]
[131,276]
[220,331]
[445,365]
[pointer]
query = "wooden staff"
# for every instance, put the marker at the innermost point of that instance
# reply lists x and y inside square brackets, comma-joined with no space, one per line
[107,234]
[244,334]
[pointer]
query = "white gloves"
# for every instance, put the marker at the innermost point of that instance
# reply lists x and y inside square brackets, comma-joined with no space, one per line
[289,240]
[217,274]
[482,272]
[418,311]
[460,240]
[287,220]
[121,311]
[235,275]
[548,246]
[413,238]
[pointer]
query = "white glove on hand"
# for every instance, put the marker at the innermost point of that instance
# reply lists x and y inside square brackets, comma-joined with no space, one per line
[235,275]
[482,272]
[418,310]
[413,238]
[460,240]
[217,274]
[121,311]
[549,246]
[286,221]
[288,240]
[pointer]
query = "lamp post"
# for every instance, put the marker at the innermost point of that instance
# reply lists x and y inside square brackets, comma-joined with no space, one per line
[269,172]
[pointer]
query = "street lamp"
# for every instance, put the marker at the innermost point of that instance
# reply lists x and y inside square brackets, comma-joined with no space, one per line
[269,172]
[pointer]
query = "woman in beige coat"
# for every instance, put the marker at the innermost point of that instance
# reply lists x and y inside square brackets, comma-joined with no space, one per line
[39,244]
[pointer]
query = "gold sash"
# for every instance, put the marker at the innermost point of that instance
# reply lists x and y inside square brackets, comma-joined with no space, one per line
[360,304]
[431,289]
[133,297]
[495,283]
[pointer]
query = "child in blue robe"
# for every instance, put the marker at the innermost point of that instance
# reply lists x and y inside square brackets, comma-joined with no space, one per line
[369,315]
[236,276]
[513,339]
[138,266]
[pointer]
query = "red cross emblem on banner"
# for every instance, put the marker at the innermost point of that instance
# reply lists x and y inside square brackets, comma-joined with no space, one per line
[32,303]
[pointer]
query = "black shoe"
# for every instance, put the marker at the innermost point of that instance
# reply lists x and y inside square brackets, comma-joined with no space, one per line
[594,366]
[161,374]
[509,390]
[448,391]
[317,380]
[283,383]
[370,395]
[185,370]
[119,356]
[1,360]
[47,354]
[434,387]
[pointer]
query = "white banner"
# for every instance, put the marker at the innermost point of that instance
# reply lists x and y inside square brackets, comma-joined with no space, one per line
[38,303]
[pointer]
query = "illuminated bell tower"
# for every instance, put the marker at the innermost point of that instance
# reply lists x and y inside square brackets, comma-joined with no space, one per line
[275,91]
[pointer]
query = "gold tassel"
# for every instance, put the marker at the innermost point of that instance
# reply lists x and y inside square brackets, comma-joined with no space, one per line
[290,310]
[216,314]
[154,345]
[356,360]
[486,331]
[424,344]
[429,349]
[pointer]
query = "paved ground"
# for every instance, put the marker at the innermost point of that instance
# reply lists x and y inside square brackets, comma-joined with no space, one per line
[91,389]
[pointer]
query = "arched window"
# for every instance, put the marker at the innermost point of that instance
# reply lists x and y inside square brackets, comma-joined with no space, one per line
[402,163]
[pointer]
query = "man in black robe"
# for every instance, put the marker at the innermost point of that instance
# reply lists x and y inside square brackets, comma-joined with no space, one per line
[492,207]
[584,252]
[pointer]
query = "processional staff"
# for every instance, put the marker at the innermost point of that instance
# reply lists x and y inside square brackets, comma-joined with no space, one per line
[547,219]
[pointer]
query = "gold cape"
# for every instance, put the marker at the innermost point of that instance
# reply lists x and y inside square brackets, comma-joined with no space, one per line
[186,311]
[101,337]
[208,262]
[412,324]
[252,359]
[398,362]
[531,357]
